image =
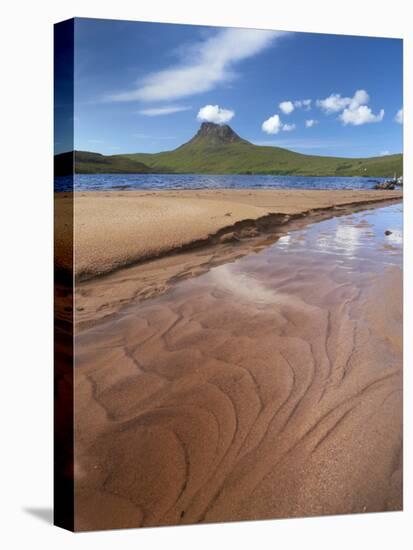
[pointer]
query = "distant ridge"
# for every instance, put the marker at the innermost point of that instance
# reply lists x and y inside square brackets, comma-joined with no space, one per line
[217,149]
[94,163]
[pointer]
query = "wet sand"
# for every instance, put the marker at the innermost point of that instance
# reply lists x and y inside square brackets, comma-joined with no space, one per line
[268,387]
[144,242]
[116,229]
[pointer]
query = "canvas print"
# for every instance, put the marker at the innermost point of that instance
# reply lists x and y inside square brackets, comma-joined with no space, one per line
[228,274]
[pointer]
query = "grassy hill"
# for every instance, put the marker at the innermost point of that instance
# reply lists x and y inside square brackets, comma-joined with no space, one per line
[95,163]
[219,150]
[252,159]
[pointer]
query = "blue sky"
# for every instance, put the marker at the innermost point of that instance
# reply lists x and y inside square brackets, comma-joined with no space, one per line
[145,87]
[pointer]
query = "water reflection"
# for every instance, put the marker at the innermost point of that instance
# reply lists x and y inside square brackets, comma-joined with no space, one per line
[396,237]
[246,286]
[353,243]
[347,238]
[360,236]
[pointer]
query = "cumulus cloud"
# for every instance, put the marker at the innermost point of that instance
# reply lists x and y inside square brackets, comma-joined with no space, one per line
[333,103]
[272,125]
[214,113]
[353,110]
[286,107]
[204,65]
[384,153]
[310,123]
[399,116]
[361,97]
[167,110]
[360,115]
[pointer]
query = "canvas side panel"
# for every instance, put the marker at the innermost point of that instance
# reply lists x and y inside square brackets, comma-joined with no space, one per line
[63,275]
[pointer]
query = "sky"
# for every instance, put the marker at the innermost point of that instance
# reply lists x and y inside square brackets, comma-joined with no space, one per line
[146,87]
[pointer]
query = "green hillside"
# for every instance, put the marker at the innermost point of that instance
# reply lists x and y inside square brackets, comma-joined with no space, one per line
[219,150]
[95,163]
[239,158]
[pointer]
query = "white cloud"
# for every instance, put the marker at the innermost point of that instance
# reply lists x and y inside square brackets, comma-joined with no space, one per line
[205,65]
[214,113]
[360,115]
[384,153]
[361,97]
[167,110]
[286,107]
[354,109]
[333,103]
[310,123]
[303,103]
[272,125]
[399,116]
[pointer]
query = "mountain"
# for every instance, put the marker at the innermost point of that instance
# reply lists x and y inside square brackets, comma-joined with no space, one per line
[217,149]
[213,135]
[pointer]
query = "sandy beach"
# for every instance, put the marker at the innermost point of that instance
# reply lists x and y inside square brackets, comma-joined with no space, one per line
[143,242]
[116,229]
[268,386]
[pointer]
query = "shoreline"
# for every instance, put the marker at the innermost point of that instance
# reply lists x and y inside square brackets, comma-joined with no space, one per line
[113,230]
[101,297]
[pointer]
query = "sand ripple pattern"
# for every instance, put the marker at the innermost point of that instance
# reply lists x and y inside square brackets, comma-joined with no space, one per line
[244,394]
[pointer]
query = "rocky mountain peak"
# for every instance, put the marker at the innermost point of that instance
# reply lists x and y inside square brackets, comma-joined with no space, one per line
[220,133]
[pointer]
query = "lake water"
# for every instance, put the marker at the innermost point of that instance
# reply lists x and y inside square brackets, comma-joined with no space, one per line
[104,182]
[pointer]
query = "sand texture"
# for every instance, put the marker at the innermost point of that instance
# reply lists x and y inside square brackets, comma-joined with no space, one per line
[99,298]
[116,229]
[268,387]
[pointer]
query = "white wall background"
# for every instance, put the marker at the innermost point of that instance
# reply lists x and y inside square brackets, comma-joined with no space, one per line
[26,271]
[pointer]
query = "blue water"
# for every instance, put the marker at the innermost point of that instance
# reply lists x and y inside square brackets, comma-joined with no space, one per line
[104,182]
